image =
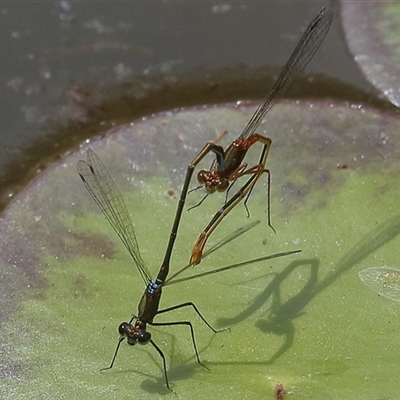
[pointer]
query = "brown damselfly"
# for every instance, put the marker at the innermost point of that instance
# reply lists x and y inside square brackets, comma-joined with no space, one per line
[228,165]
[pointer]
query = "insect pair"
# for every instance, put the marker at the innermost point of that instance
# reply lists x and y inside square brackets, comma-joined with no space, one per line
[226,169]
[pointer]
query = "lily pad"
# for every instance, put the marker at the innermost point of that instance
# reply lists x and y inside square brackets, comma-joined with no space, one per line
[372,31]
[304,322]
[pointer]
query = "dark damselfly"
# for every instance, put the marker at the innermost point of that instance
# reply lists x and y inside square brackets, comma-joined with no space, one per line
[105,193]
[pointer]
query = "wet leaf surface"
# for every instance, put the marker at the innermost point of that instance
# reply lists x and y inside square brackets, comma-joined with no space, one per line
[305,321]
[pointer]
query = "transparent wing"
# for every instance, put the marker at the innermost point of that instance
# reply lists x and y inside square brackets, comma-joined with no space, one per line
[301,56]
[105,193]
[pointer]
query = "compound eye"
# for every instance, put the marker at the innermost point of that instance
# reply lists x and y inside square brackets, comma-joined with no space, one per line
[143,337]
[222,185]
[202,177]
[123,328]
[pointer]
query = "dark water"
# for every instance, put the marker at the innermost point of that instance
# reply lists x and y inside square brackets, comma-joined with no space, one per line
[72,69]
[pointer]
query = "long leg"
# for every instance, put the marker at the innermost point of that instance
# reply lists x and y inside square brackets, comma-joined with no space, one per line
[120,340]
[164,363]
[199,203]
[190,304]
[263,160]
[239,172]
[197,250]
[188,323]
[243,192]
[243,170]
[255,170]
[259,171]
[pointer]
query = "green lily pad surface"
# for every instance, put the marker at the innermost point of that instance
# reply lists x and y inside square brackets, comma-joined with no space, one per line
[305,321]
[372,31]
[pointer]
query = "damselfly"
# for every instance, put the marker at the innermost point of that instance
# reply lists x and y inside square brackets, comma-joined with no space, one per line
[228,165]
[104,191]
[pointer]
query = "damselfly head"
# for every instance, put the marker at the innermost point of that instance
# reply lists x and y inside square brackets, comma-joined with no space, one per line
[134,333]
[212,182]
[206,179]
